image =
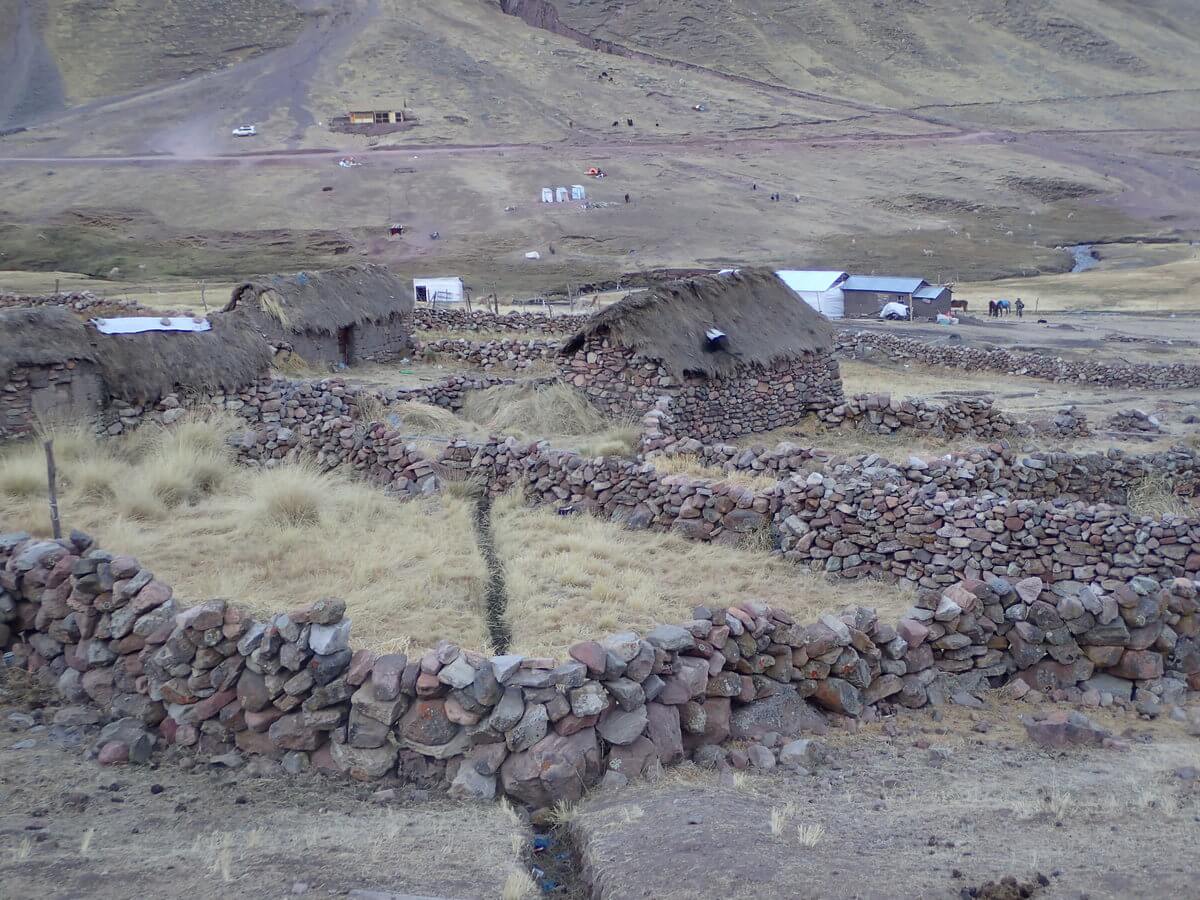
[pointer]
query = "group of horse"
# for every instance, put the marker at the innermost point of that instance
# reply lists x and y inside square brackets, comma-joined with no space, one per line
[998,308]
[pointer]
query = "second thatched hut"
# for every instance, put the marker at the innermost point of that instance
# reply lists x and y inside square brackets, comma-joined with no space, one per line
[334,317]
[735,354]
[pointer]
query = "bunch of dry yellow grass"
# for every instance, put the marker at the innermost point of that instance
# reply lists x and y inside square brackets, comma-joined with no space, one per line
[572,578]
[273,539]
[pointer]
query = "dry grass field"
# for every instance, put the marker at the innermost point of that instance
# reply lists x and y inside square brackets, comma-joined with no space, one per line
[572,578]
[410,573]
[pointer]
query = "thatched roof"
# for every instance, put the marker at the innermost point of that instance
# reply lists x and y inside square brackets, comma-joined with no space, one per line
[152,364]
[323,301]
[40,336]
[764,321]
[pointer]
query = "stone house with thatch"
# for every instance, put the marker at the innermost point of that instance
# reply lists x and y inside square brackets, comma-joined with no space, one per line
[145,366]
[48,370]
[735,354]
[334,317]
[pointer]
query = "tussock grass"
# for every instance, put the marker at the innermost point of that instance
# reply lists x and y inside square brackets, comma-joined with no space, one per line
[272,539]
[572,578]
[1153,495]
[690,464]
[556,411]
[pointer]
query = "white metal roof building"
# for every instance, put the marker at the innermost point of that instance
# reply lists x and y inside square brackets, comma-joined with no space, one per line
[438,290]
[820,289]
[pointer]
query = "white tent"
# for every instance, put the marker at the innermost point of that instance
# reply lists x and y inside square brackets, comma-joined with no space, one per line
[547,195]
[578,192]
[561,194]
[819,289]
[438,290]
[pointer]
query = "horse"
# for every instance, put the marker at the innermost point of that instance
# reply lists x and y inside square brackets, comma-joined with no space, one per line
[1003,307]
[991,309]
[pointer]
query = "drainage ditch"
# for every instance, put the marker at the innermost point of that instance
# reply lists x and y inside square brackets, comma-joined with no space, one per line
[497,594]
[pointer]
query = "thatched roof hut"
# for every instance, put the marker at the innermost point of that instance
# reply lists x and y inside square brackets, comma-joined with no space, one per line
[762,319]
[151,364]
[323,301]
[41,336]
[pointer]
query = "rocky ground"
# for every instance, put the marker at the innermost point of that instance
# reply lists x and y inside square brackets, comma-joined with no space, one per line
[179,826]
[961,801]
[923,805]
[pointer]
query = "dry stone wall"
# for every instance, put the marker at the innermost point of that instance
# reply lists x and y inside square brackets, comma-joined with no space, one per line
[105,631]
[1155,376]
[502,354]
[32,395]
[752,399]
[438,319]
[884,414]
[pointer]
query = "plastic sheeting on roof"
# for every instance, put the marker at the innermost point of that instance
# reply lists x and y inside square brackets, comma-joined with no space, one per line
[809,279]
[140,324]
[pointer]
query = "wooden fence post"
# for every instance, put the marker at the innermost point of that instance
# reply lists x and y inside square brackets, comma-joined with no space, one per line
[51,483]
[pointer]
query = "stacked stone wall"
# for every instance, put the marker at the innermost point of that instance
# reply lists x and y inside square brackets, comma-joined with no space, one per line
[1155,376]
[438,319]
[488,355]
[104,630]
[31,396]
[751,399]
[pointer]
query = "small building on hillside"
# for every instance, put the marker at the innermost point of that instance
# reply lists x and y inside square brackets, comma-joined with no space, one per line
[822,290]
[48,370]
[439,290]
[333,317]
[866,295]
[932,300]
[735,354]
[142,364]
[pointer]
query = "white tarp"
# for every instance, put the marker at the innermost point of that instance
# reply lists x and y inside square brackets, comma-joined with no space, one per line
[138,324]
[894,310]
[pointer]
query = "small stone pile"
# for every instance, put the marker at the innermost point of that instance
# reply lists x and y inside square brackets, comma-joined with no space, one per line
[1068,422]
[104,630]
[510,354]
[884,414]
[898,348]
[1134,421]
[438,319]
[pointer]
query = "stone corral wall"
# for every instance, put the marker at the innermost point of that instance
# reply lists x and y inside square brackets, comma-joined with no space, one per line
[753,399]
[1156,376]
[932,539]
[1095,477]
[81,302]
[975,417]
[30,395]
[104,630]
[440,319]
[502,354]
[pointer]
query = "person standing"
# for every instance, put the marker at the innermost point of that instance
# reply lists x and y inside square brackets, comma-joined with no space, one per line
[1020,307]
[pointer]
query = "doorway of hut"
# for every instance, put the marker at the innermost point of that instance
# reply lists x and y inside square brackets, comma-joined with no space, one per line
[345,338]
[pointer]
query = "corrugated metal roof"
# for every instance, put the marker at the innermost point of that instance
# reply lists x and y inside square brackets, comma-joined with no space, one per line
[809,279]
[930,292]
[884,284]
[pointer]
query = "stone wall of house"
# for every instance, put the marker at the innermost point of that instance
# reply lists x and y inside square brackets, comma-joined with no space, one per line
[753,399]
[1155,376]
[70,391]
[383,341]
[973,417]
[105,631]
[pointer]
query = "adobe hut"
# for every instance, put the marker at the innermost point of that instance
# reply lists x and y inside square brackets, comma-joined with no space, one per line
[146,366]
[48,370]
[736,354]
[335,317]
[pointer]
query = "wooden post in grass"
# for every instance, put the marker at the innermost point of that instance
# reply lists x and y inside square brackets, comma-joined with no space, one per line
[51,483]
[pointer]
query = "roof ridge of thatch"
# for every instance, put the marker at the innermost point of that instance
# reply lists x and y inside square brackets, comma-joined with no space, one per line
[763,320]
[41,336]
[322,300]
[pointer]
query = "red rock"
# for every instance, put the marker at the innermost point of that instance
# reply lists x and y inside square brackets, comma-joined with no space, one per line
[167,728]
[361,664]
[187,735]
[113,753]
[913,632]
[572,724]
[1139,665]
[262,720]
[428,686]
[592,655]
[210,706]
